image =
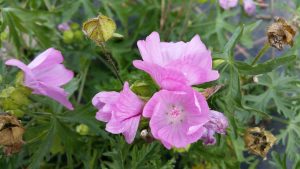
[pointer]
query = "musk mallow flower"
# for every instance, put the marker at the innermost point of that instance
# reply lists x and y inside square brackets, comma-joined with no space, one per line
[249,7]
[173,64]
[45,75]
[227,4]
[217,123]
[177,118]
[121,110]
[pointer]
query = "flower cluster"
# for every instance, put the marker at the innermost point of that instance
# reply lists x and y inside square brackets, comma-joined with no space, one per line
[178,115]
[249,5]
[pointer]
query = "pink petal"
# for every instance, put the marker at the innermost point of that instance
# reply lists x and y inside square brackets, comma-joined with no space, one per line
[20,65]
[171,51]
[104,116]
[55,93]
[54,76]
[115,126]
[150,48]
[104,98]
[48,58]
[131,131]
[165,78]
[128,104]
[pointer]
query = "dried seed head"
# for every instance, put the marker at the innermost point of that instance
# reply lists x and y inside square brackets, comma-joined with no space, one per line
[99,29]
[11,132]
[280,33]
[259,141]
[207,93]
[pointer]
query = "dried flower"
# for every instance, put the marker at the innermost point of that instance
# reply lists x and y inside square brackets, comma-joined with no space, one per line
[99,29]
[280,33]
[11,132]
[259,141]
[217,123]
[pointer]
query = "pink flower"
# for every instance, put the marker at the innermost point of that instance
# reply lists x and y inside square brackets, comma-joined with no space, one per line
[172,65]
[63,27]
[249,7]
[226,4]
[217,124]
[122,111]
[45,75]
[177,117]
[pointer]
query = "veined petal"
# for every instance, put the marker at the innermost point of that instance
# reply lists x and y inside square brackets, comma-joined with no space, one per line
[55,93]
[130,132]
[54,76]
[165,78]
[47,59]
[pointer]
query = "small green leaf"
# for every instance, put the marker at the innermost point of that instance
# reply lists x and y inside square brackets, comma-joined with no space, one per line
[266,67]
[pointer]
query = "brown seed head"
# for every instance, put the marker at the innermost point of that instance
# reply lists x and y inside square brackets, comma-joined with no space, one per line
[280,33]
[11,133]
[259,141]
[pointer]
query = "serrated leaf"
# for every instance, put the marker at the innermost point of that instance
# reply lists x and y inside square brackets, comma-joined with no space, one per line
[266,67]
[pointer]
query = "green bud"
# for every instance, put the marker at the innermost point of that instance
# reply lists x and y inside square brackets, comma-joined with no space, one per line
[182,150]
[68,36]
[78,35]
[82,129]
[75,26]
[217,62]
[3,36]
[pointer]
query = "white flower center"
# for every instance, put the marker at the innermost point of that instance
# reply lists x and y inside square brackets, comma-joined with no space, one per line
[175,114]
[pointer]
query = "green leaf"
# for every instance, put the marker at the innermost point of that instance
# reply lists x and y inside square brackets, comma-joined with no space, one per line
[230,45]
[44,147]
[266,67]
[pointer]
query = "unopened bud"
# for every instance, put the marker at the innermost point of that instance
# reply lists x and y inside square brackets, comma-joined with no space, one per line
[82,129]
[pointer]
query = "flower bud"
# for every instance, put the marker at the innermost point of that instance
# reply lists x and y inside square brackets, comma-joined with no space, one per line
[99,29]
[82,129]
[78,35]
[63,27]
[75,26]
[68,36]
[280,33]
[249,7]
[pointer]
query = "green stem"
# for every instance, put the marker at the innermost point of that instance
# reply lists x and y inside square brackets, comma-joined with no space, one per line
[280,120]
[261,53]
[111,62]
[83,82]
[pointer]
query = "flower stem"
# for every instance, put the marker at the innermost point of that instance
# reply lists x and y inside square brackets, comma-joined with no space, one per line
[261,53]
[280,120]
[83,82]
[111,62]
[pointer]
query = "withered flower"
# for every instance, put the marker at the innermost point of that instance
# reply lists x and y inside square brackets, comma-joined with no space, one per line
[99,29]
[147,136]
[207,93]
[11,132]
[280,33]
[259,141]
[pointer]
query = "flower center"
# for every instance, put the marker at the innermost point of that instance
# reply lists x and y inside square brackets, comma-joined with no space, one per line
[175,114]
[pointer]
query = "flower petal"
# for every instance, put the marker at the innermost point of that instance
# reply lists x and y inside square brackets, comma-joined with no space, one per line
[54,76]
[47,59]
[55,93]
[165,78]
[131,131]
